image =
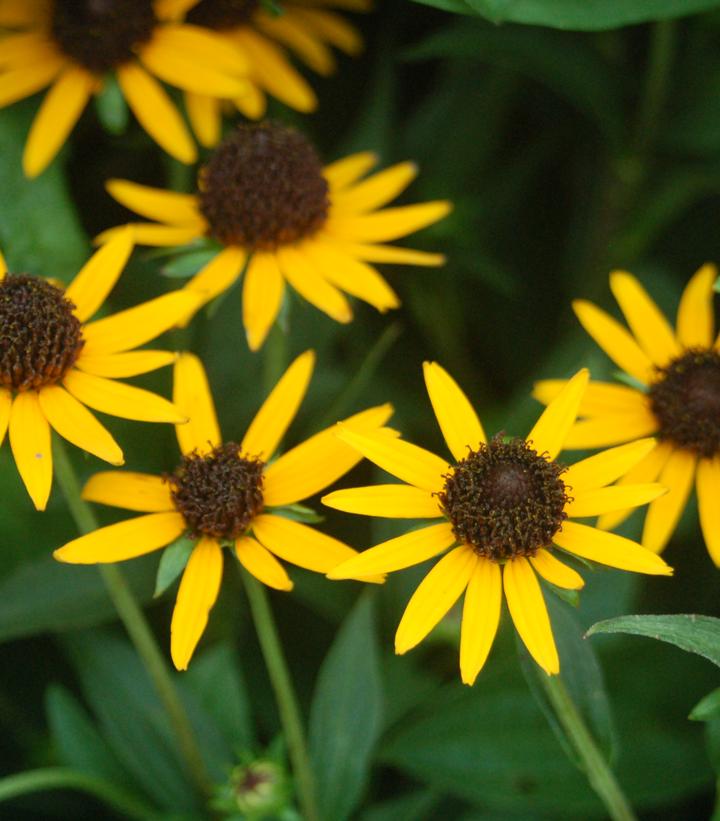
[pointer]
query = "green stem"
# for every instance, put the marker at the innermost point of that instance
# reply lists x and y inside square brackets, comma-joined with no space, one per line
[54,778]
[135,624]
[284,693]
[598,772]
[662,49]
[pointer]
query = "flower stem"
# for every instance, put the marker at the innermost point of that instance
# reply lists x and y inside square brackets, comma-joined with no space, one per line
[135,623]
[598,772]
[284,693]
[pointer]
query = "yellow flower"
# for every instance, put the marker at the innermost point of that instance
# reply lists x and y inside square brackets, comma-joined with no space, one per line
[505,509]
[53,362]
[309,28]
[677,398]
[71,45]
[281,217]
[224,493]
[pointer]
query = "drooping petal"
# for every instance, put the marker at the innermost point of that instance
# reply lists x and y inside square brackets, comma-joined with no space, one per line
[279,409]
[377,190]
[192,396]
[529,613]
[607,499]
[480,618]
[602,468]
[456,416]
[664,513]
[435,595]
[263,292]
[287,30]
[391,501]
[696,317]
[5,408]
[129,363]
[611,429]
[299,271]
[398,553]
[708,491]
[217,276]
[345,171]
[199,588]
[30,442]
[157,204]
[252,103]
[609,548]
[599,397]
[333,28]
[124,540]
[205,118]
[132,491]
[261,563]
[24,81]
[555,572]
[387,225]
[551,429]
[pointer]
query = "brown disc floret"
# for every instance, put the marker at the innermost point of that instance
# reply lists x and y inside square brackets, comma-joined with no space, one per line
[221,15]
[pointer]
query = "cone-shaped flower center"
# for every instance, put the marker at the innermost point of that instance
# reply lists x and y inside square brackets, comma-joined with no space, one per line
[218,493]
[40,336]
[505,499]
[101,34]
[222,14]
[686,401]
[263,188]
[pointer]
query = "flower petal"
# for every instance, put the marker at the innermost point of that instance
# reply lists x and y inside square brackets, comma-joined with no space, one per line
[480,618]
[392,254]
[150,233]
[260,562]
[288,31]
[199,588]
[663,514]
[25,81]
[390,501]
[345,171]
[392,223]
[708,491]
[599,397]
[377,190]
[119,365]
[299,271]
[132,491]
[529,613]
[192,396]
[607,499]
[124,540]
[552,428]
[205,117]
[555,572]
[602,468]
[217,276]
[169,207]
[611,429]
[435,595]
[458,421]
[279,409]
[263,292]
[695,318]
[5,408]
[330,27]
[30,442]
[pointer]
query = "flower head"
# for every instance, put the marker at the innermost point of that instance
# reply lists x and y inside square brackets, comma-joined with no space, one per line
[226,493]
[506,505]
[54,362]
[280,217]
[677,399]
[72,45]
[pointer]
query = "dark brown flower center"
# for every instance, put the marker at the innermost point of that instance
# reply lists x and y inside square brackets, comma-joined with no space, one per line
[686,401]
[263,188]
[218,493]
[222,14]
[40,336]
[505,500]
[101,34]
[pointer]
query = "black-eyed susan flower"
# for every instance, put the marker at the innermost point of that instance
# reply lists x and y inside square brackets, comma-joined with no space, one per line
[277,214]
[677,399]
[506,505]
[53,362]
[73,45]
[225,493]
[308,28]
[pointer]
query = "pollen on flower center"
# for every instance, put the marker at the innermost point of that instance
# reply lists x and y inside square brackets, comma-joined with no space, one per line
[222,14]
[263,188]
[686,401]
[40,336]
[101,34]
[218,493]
[505,500]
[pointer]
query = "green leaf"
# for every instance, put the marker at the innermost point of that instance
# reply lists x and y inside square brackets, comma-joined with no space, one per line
[708,708]
[188,264]
[299,513]
[696,634]
[111,107]
[345,715]
[172,563]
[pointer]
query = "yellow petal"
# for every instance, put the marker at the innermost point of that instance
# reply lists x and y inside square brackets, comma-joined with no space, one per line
[607,499]
[192,396]
[253,102]
[56,118]
[156,112]
[205,118]
[646,321]
[664,513]
[132,491]
[398,553]
[695,318]
[555,572]
[263,292]
[3,266]
[279,409]
[317,462]
[611,429]
[205,49]
[147,233]
[617,343]
[390,501]
[74,422]
[408,462]
[124,540]
[435,595]
[602,468]
[609,548]
[216,276]
[118,399]
[286,30]
[392,223]
[299,271]
[480,618]
[529,613]
[30,442]
[458,421]
[156,203]
[98,276]
[376,191]
[551,429]
[25,80]
[599,397]
[344,172]
[5,408]
[330,27]
[199,588]
[708,491]
[119,365]
[262,564]
[172,9]
[392,254]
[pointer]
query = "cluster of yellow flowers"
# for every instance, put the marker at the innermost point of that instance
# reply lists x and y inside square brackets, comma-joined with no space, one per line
[500,508]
